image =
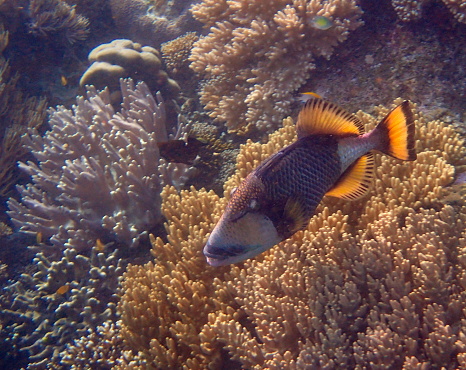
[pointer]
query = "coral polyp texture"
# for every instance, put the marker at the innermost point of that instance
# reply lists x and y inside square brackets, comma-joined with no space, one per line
[411,10]
[379,283]
[258,53]
[99,173]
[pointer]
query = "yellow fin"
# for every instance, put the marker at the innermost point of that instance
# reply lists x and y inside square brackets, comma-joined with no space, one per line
[356,180]
[294,214]
[398,126]
[319,117]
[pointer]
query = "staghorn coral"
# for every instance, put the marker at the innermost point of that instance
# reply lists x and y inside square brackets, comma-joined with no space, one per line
[55,18]
[258,53]
[379,284]
[101,348]
[99,173]
[410,10]
[123,58]
[43,316]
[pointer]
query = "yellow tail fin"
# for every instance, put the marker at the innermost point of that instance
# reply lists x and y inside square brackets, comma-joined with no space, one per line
[398,130]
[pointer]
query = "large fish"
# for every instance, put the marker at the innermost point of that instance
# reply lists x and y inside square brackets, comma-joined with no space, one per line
[332,156]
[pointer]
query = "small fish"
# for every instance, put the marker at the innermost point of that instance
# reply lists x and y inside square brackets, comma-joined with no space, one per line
[332,156]
[306,96]
[180,151]
[320,22]
[63,289]
[99,245]
[63,80]
[39,238]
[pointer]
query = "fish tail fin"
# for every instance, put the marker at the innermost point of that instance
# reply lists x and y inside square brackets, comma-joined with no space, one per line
[397,131]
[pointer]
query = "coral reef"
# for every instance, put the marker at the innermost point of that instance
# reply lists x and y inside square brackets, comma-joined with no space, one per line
[60,301]
[257,54]
[176,52]
[99,349]
[56,18]
[123,58]
[379,283]
[18,112]
[410,10]
[99,173]
[152,22]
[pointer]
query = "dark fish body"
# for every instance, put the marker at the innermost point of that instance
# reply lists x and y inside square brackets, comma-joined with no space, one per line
[298,175]
[331,157]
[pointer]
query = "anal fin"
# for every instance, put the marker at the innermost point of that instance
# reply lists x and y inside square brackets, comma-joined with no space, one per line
[356,180]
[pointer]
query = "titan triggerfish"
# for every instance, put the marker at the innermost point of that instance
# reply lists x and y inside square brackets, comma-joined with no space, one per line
[332,156]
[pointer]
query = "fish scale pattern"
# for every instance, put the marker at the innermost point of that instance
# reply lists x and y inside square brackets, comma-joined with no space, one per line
[306,171]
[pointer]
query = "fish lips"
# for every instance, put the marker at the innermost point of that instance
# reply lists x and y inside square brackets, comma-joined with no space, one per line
[221,256]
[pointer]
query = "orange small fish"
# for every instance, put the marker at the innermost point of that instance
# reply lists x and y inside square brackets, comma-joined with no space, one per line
[99,245]
[63,289]
[39,238]
[306,96]
[63,80]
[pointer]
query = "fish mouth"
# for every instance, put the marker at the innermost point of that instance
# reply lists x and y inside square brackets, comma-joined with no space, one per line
[216,256]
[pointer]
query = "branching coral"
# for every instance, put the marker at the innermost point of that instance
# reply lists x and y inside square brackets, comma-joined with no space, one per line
[99,173]
[60,301]
[409,10]
[258,53]
[379,283]
[17,112]
[57,18]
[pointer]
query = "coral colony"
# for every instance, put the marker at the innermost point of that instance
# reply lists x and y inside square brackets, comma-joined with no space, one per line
[101,234]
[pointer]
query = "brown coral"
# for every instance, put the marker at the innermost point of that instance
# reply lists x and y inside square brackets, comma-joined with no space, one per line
[176,52]
[258,53]
[409,10]
[380,283]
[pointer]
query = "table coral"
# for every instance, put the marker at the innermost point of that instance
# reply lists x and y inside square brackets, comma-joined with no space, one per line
[376,283]
[258,53]
[99,173]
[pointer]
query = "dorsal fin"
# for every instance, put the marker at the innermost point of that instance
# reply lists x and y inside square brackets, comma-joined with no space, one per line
[322,117]
[356,180]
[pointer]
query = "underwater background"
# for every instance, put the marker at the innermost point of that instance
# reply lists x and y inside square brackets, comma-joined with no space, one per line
[126,124]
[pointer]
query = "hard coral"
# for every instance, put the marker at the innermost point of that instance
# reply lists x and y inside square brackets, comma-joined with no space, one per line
[56,304]
[258,53]
[378,283]
[123,58]
[409,10]
[55,18]
[99,173]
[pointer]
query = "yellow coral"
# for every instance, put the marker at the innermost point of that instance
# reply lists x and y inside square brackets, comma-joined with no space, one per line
[350,290]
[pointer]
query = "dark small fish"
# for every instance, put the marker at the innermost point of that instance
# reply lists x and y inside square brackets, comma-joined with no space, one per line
[180,151]
[332,156]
